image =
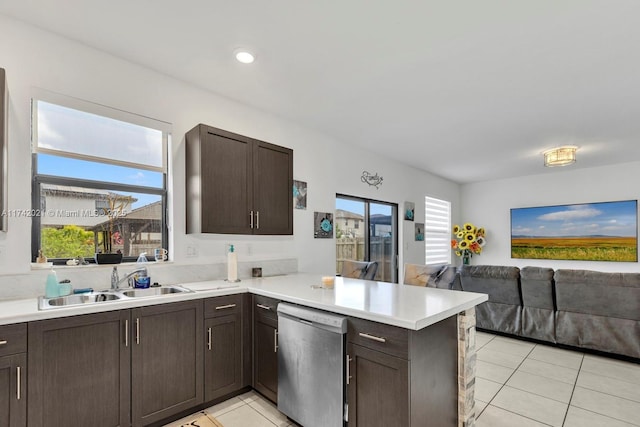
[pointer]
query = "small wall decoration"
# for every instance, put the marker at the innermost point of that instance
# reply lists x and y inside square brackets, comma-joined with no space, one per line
[323,225]
[419,232]
[588,232]
[371,179]
[299,194]
[409,211]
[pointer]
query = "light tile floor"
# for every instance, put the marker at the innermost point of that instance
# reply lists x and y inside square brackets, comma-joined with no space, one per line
[518,384]
[526,384]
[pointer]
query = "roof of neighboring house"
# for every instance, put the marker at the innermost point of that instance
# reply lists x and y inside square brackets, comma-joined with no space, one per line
[150,213]
[342,214]
[83,193]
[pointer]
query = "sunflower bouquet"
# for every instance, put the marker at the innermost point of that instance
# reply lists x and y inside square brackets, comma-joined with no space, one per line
[469,240]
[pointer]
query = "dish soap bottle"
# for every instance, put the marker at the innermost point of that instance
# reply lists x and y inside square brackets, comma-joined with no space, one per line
[232,265]
[51,288]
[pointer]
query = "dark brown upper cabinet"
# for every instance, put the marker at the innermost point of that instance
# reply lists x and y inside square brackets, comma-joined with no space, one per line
[4,125]
[237,184]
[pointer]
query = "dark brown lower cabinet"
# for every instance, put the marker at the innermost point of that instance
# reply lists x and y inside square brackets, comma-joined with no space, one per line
[13,398]
[378,388]
[402,377]
[79,371]
[223,351]
[265,347]
[166,360]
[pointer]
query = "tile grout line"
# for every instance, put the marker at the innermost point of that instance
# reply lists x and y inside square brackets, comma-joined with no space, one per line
[575,384]
[262,415]
[505,383]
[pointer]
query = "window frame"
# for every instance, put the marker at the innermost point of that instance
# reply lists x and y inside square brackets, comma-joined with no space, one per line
[39,179]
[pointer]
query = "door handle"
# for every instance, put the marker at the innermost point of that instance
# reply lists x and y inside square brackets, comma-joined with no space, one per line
[137,330]
[3,342]
[348,369]
[222,307]
[126,333]
[251,216]
[209,338]
[258,220]
[275,340]
[18,383]
[264,307]
[372,337]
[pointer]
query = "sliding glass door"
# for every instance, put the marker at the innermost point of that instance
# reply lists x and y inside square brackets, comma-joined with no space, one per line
[367,230]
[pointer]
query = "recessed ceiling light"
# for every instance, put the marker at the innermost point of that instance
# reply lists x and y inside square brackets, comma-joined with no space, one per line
[244,56]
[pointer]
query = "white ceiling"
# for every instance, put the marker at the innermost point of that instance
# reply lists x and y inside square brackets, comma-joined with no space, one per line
[470,90]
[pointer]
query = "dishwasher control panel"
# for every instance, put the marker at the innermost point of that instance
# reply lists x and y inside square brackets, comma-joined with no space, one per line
[313,316]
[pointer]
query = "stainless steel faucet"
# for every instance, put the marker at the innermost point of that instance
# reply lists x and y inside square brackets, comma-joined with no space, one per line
[116,281]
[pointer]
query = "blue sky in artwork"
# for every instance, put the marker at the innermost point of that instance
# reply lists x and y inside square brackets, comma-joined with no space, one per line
[617,219]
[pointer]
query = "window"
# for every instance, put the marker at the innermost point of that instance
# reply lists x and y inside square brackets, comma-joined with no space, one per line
[103,174]
[375,241]
[437,231]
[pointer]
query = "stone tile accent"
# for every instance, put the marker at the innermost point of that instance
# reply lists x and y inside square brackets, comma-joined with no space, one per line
[466,368]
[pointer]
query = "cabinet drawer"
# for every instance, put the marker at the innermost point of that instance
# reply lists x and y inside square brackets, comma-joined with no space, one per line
[13,339]
[222,306]
[377,336]
[265,306]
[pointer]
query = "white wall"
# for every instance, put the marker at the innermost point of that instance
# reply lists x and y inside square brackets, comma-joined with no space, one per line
[488,204]
[38,59]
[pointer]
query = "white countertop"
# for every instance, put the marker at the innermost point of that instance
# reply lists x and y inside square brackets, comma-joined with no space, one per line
[409,307]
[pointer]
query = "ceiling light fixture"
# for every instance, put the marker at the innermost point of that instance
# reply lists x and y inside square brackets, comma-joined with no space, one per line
[244,56]
[560,156]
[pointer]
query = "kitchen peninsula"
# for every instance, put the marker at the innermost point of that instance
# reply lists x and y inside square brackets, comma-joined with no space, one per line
[407,346]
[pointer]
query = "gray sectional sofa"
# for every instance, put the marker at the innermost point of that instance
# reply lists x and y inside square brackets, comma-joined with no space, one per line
[578,308]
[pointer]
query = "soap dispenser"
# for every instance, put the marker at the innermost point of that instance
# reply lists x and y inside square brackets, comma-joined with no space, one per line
[51,287]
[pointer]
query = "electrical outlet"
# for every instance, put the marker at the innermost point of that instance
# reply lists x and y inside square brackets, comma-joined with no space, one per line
[192,251]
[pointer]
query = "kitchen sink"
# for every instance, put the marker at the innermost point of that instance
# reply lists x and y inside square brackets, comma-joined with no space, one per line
[105,296]
[77,299]
[153,291]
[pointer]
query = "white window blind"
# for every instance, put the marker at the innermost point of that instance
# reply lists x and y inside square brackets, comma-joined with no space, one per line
[437,231]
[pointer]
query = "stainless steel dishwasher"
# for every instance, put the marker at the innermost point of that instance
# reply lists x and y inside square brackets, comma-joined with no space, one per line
[311,355]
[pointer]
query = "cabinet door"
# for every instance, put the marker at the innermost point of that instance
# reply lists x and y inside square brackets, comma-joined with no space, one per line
[265,357]
[79,371]
[13,402]
[166,360]
[378,389]
[222,356]
[272,189]
[226,187]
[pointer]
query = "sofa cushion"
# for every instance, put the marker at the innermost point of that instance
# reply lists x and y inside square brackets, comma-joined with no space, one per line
[537,287]
[501,283]
[603,294]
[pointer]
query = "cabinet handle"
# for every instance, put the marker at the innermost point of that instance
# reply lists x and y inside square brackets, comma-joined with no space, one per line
[126,333]
[258,219]
[275,340]
[137,330]
[348,369]
[372,337]
[3,342]
[209,338]
[222,307]
[264,307]
[251,216]
[19,383]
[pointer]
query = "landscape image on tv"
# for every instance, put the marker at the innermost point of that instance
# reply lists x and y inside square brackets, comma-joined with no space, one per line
[587,232]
